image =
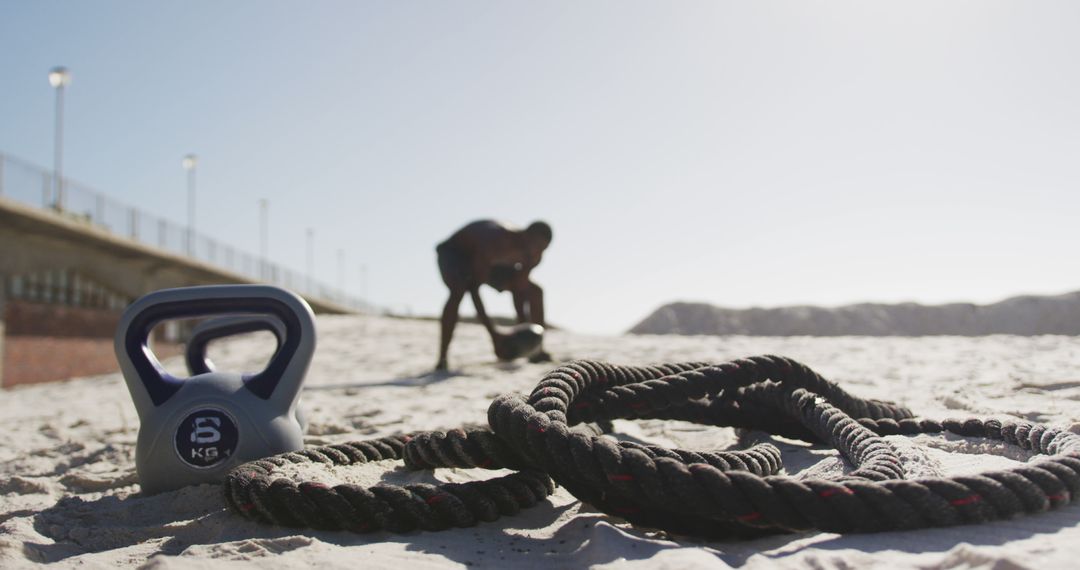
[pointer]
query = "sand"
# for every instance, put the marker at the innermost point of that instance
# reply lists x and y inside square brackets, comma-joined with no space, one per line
[69,495]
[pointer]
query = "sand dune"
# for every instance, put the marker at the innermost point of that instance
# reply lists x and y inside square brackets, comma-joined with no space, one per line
[68,493]
[1023,315]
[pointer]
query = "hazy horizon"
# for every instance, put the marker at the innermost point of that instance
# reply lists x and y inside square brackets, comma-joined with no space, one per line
[741,154]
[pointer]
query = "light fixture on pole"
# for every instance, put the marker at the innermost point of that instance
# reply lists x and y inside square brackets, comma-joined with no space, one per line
[59,78]
[341,274]
[310,258]
[264,207]
[363,288]
[189,163]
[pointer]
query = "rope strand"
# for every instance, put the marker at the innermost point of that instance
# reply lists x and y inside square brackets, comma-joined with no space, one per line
[257,491]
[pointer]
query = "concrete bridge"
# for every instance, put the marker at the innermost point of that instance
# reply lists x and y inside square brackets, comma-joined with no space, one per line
[65,277]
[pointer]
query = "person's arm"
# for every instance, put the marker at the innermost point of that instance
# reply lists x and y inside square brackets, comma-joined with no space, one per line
[528,298]
[481,313]
[520,301]
[536,304]
[497,340]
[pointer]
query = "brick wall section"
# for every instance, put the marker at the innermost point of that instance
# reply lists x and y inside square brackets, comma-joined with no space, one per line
[45,343]
[39,319]
[34,359]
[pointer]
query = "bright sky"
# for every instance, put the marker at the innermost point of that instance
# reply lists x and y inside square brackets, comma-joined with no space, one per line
[741,153]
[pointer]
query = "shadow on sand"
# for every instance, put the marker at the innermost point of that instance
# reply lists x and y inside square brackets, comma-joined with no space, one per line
[194,518]
[426,379]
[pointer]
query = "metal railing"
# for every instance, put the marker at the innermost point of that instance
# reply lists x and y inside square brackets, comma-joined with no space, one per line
[32,185]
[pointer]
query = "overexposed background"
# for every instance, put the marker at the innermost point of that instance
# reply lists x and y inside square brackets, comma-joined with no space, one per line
[739,153]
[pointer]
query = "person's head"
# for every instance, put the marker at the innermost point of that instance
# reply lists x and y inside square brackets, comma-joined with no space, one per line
[539,235]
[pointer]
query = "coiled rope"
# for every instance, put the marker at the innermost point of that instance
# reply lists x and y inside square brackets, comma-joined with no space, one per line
[730,493]
[257,491]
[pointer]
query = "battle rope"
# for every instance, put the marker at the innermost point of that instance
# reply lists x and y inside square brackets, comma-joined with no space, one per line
[256,490]
[692,492]
[679,492]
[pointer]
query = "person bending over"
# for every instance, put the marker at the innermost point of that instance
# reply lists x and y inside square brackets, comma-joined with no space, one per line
[501,256]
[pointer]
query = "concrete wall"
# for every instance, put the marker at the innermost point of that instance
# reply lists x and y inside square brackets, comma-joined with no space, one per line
[37,241]
[3,326]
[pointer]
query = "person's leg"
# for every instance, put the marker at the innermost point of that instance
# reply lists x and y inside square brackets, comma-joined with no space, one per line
[451,268]
[449,321]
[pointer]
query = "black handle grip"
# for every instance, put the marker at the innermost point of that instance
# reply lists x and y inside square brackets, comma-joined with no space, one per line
[246,300]
[197,360]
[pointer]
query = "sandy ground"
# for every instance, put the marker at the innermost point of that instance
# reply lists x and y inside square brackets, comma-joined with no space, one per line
[69,495]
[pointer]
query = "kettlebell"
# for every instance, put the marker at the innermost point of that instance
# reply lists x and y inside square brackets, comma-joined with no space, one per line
[193,430]
[198,362]
[521,340]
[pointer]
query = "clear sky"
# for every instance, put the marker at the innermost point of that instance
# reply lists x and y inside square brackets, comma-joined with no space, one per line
[741,153]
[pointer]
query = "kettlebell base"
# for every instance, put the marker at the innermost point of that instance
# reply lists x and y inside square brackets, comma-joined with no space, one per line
[201,442]
[519,341]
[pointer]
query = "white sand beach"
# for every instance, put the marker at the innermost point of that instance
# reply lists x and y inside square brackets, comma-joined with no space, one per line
[69,495]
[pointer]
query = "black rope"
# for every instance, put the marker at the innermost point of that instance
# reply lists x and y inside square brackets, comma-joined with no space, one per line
[709,493]
[694,496]
[257,491]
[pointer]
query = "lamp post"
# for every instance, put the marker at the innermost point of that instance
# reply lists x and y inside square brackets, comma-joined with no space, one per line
[264,207]
[363,287]
[341,275]
[59,78]
[310,258]
[189,163]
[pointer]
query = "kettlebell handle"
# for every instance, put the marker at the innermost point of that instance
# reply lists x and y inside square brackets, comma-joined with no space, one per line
[290,360]
[206,332]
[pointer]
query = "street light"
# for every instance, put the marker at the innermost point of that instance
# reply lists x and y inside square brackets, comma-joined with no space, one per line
[264,206]
[363,287]
[59,78]
[310,258]
[341,275]
[189,163]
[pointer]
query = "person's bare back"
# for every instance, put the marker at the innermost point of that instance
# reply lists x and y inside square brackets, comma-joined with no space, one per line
[498,255]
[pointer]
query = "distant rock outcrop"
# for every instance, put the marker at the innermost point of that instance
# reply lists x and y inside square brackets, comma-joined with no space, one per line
[1025,315]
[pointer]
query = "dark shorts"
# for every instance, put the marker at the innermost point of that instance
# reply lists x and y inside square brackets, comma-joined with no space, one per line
[454,267]
[501,276]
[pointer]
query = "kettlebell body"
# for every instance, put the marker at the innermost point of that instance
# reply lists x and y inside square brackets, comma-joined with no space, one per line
[520,341]
[193,430]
